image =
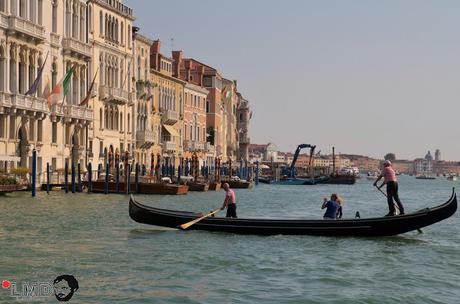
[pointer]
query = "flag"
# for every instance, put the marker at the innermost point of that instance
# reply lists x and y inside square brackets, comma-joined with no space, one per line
[226,93]
[33,88]
[46,89]
[88,95]
[61,89]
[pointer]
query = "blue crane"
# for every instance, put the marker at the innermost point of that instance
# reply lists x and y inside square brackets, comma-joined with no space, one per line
[291,171]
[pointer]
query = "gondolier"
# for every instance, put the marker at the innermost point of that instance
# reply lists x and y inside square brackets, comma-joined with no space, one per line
[229,202]
[389,178]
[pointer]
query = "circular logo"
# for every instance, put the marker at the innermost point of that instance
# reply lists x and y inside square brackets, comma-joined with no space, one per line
[6,284]
[64,287]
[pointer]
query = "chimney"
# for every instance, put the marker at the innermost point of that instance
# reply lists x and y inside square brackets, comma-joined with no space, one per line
[156,46]
[177,56]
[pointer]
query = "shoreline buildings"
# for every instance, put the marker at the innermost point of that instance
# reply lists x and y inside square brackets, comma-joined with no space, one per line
[80,84]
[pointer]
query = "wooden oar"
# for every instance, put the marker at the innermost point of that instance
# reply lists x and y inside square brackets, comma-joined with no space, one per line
[188,224]
[396,206]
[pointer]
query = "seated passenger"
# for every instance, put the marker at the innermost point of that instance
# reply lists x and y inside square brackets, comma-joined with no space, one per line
[332,207]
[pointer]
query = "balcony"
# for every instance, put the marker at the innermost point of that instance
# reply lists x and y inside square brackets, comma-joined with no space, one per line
[73,113]
[210,148]
[198,146]
[169,146]
[146,139]
[76,48]
[114,95]
[170,117]
[28,103]
[35,32]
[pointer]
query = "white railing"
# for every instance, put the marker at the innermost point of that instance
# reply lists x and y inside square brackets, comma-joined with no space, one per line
[198,146]
[169,146]
[29,103]
[114,94]
[79,112]
[76,46]
[24,26]
[146,136]
[170,117]
[3,20]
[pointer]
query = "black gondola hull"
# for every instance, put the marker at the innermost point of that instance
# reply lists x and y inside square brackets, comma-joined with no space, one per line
[383,226]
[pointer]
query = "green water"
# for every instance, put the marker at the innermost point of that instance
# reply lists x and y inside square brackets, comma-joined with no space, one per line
[119,261]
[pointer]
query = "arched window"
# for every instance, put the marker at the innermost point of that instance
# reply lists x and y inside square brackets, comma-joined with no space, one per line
[101,25]
[129,126]
[122,28]
[101,122]
[54,16]
[2,65]
[90,18]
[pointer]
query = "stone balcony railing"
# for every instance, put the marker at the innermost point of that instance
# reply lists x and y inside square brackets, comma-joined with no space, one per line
[116,95]
[146,139]
[76,48]
[34,31]
[29,103]
[210,148]
[3,20]
[169,146]
[170,117]
[198,146]
[73,112]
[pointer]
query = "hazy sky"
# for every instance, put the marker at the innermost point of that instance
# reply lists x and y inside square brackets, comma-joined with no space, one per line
[367,77]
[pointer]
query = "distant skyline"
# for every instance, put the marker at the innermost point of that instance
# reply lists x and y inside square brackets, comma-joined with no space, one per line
[368,77]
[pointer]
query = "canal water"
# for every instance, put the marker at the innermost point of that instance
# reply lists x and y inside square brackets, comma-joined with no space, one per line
[116,260]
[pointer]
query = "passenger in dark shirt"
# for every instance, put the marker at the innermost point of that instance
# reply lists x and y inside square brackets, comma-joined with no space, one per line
[333,207]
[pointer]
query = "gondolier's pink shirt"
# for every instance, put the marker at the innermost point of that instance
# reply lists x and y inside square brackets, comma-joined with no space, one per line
[389,174]
[230,196]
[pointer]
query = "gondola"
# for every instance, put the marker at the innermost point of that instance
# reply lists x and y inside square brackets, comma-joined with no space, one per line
[381,226]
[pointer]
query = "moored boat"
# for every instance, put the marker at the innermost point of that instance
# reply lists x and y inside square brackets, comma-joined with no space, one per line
[381,226]
[144,188]
[215,186]
[201,187]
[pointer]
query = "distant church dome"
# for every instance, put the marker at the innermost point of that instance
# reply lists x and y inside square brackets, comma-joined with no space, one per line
[428,156]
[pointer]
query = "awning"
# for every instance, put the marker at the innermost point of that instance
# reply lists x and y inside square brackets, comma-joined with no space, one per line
[9,158]
[171,130]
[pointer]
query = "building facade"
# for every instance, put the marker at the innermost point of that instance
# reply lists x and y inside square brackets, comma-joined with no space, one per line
[52,35]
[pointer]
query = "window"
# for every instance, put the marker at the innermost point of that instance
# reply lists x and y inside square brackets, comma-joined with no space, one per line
[101,148]
[129,35]
[2,124]
[12,126]
[54,17]
[90,147]
[101,24]
[54,133]
[40,130]
[2,5]
[207,106]
[40,12]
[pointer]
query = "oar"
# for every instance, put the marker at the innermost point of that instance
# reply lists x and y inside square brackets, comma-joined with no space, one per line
[380,189]
[188,224]
[396,206]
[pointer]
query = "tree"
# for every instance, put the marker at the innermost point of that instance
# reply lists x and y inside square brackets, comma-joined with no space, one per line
[390,157]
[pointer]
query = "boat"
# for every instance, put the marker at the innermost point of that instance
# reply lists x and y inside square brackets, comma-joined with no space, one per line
[214,186]
[379,226]
[452,177]
[425,176]
[144,188]
[236,183]
[198,186]
[301,181]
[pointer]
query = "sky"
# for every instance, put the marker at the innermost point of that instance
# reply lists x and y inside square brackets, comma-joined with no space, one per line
[368,77]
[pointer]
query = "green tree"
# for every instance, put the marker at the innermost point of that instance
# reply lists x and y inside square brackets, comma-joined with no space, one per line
[390,157]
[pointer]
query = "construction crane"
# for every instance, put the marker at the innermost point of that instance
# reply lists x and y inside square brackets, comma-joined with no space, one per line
[291,170]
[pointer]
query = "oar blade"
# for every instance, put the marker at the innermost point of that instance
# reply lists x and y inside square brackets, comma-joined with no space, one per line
[188,224]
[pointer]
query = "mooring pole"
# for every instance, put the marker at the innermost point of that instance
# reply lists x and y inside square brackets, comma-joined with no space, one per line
[47,178]
[34,172]
[66,177]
